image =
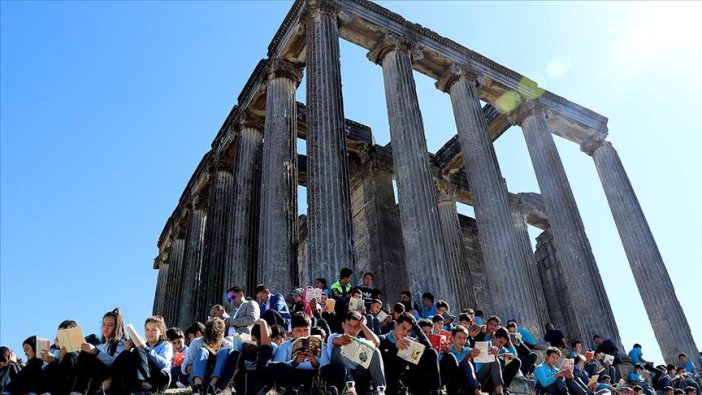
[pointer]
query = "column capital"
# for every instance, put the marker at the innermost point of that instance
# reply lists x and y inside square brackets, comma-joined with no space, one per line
[197,201]
[321,6]
[278,68]
[590,145]
[221,162]
[445,191]
[392,42]
[247,119]
[454,73]
[528,108]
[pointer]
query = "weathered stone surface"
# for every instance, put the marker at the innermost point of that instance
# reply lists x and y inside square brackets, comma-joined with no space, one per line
[244,217]
[471,245]
[161,288]
[278,215]
[512,295]
[421,231]
[592,309]
[171,303]
[657,292]
[330,243]
[192,265]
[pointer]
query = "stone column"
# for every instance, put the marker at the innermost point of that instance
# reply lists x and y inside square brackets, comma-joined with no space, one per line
[512,295]
[421,231]
[330,242]
[192,264]
[278,217]
[522,231]
[243,220]
[657,292]
[459,274]
[212,286]
[174,282]
[161,286]
[580,271]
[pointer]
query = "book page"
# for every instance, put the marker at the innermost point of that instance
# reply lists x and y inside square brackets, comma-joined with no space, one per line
[359,351]
[593,380]
[134,336]
[70,338]
[303,344]
[331,303]
[382,316]
[412,353]
[567,365]
[42,344]
[355,304]
[484,356]
[608,359]
[313,293]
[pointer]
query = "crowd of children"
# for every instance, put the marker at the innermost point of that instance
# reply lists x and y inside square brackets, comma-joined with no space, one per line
[335,340]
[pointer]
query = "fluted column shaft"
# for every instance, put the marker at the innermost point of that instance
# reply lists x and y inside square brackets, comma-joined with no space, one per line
[580,271]
[421,231]
[532,270]
[512,295]
[192,268]
[174,282]
[669,322]
[161,290]
[459,272]
[214,252]
[243,224]
[278,216]
[330,241]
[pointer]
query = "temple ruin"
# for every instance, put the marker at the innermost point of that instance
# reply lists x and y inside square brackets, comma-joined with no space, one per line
[237,223]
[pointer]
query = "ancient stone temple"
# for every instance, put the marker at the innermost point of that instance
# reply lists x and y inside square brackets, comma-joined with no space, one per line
[237,222]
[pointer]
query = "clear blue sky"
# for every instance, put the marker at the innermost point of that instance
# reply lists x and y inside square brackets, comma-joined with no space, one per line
[106,109]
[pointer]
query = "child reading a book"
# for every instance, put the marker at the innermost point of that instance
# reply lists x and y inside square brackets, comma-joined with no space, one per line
[145,367]
[57,376]
[363,362]
[206,356]
[422,377]
[297,360]
[94,364]
[27,380]
[457,372]
[552,380]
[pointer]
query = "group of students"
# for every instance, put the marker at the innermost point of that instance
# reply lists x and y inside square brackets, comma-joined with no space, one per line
[303,343]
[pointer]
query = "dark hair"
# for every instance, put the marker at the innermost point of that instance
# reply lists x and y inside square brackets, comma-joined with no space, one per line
[424,323]
[682,355]
[352,315]
[597,337]
[511,324]
[605,377]
[214,330]
[668,388]
[300,320]
[406,317]
[32,342]
[577,359]
[552,350]
[437,318]
[494,318]
[323,281]
[367,274]
[501,333]
[689,389]
[277,331]
[5,353]
[345,272]
[195,327]
[398,308]
[406,293]
[428,295]
[637,388]
[464,317]
[119,325]
[378,301]
[174,333]
[478,313]
[678,391]
[260,288]
[65,324]
[637,345]
[459,328]
[236,290]
[315,330]
[574,343]
[356,291]
[669,366]
[442,303]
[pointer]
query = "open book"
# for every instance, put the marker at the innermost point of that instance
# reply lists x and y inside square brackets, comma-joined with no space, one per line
[355,304]
[133,335]
[308,343]
[359,351]
[593,380]
[412,353]
[70,338]
[516,338]
[567,365]
[607,359]
[331,303]
[484,356]
[41,345]
[437,341]
[382,316]
[313,293]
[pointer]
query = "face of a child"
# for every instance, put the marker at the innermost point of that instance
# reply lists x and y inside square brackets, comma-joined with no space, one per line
[438,325]
[552,358]
[28,351]
[178,344]
[356,295]
[459,341]
[153,332]
[375,308]
[352,327]
[403,330]
[300,331]
[426,330]
[108,327]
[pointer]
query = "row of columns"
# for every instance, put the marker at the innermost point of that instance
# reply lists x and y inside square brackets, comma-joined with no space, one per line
[429,222]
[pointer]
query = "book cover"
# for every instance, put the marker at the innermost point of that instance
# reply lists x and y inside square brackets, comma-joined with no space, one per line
[412,353]
[484,356]
[331,303]
[567,365]
[133,335]
[593,380]
[359,351]
[308,343]
[42,344]
[70,338]
[436,341]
